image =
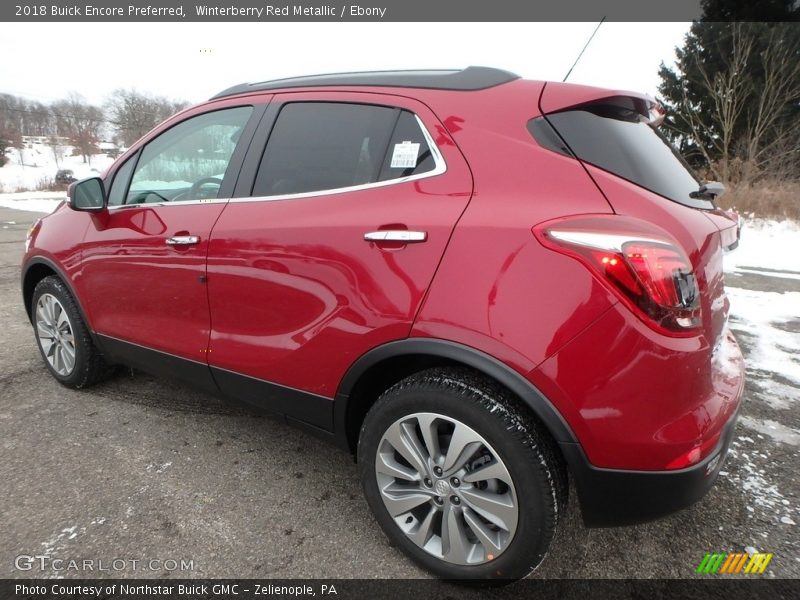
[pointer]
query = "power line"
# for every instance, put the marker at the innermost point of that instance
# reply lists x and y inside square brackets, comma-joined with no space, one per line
[51,113]
[55,114]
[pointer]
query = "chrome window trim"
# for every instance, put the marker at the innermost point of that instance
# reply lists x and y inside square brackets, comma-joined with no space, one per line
[440,167]
[176,203]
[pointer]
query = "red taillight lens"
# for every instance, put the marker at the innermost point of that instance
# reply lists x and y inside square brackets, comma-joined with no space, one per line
[695,455]
[649,272]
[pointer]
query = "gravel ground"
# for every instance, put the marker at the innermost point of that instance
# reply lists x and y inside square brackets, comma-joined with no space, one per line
[139,468]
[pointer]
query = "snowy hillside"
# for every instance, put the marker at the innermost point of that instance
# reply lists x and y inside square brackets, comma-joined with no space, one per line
[36,167]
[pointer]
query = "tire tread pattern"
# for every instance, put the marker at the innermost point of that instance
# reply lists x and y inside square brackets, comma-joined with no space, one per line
[90,367]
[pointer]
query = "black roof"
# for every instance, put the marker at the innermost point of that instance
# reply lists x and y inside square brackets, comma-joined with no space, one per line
[469,79]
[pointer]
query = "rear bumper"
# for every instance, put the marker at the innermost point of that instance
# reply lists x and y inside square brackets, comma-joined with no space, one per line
[612,497]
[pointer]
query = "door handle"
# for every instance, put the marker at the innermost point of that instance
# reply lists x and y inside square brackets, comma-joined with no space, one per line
[396,235]
[182,240]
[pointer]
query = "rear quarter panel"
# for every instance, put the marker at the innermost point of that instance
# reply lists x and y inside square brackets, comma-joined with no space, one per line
[497,289]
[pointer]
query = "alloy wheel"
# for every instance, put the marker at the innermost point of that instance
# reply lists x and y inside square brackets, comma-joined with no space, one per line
[446,488]
[55,334]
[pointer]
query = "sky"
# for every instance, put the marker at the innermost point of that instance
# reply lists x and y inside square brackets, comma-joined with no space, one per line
[193,61]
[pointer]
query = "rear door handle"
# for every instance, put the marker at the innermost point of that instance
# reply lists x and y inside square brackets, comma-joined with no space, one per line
[182,240]
[396,235]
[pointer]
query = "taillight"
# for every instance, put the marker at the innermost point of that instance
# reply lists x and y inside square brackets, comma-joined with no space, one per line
[694,455]
[640,264]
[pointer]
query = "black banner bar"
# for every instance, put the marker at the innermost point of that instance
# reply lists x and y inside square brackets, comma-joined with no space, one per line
[338,10]
[705,588]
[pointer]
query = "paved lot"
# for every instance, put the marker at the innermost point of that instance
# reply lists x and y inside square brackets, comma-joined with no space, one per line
[139,468]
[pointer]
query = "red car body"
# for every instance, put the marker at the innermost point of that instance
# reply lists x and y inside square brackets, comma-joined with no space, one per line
[284,304]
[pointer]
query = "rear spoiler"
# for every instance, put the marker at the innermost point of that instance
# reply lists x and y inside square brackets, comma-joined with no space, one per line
[557,97]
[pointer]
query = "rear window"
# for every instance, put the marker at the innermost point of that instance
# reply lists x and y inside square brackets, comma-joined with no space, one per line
[619,140]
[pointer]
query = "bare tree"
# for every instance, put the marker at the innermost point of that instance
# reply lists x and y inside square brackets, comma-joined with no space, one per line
[37,119]
[81,122]
[132,113]
[10,125]
[10,138]
[54,141]
[766,144]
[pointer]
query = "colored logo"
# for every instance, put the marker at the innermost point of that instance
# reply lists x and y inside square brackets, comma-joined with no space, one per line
[734,562]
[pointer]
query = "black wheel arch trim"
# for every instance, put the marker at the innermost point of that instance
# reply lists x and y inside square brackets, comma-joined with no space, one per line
[466,355]
[42,260]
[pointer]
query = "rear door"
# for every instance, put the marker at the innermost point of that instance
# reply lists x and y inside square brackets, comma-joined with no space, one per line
[144,260]
[332,245]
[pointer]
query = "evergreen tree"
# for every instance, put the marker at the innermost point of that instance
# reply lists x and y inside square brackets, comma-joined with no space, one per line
[733,98]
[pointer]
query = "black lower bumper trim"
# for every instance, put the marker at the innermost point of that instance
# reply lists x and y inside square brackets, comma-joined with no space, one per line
[611,497]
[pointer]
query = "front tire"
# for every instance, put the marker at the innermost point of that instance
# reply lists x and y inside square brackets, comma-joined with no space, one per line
[459,478]
[62,336]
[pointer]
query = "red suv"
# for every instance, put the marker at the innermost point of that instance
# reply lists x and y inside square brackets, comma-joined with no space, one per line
[480,285]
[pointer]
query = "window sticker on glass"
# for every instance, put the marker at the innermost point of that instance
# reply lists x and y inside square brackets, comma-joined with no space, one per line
[405,155]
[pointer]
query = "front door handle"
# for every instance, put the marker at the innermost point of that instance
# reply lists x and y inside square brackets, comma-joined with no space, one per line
[182,240]
[396,235]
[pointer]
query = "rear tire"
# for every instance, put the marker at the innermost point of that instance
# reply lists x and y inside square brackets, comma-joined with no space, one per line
[62,336]
[479,496]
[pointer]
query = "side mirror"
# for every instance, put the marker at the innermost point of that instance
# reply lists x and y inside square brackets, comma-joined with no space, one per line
[88,195]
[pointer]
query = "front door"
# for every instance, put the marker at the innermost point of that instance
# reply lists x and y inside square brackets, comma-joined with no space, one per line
[145,258]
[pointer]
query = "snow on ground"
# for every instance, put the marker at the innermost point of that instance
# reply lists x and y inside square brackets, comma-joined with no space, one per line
[764,317]
[37,167]
[768,318]
[761,278]
[767,244]
[43,202]
[773,429]
[749,474]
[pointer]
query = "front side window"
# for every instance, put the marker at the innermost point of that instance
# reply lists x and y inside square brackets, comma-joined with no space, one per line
[317,146]
[188,161]
[116,195]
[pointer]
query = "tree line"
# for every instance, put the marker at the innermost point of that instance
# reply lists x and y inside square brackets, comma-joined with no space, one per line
[733,97]
[124,117]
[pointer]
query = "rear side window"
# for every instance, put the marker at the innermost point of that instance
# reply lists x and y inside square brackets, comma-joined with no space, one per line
[619,140]
[318,146]
[409,153]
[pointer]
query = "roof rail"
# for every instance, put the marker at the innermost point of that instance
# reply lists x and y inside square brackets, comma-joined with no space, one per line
[469,79]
